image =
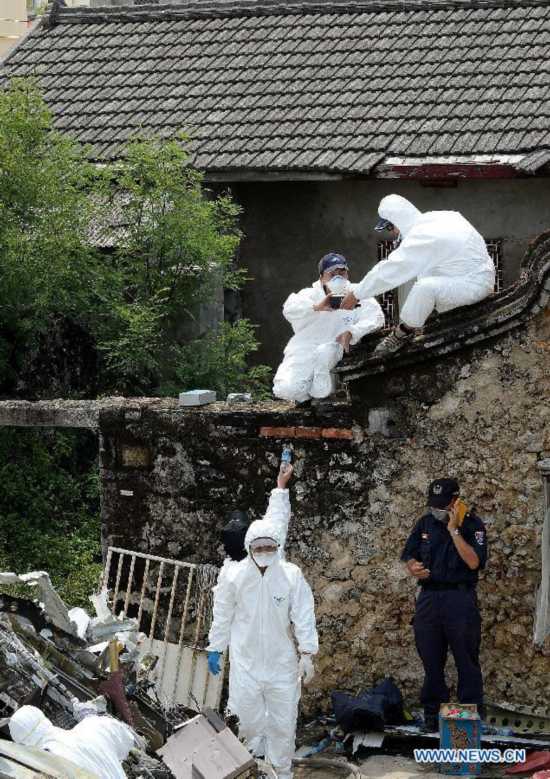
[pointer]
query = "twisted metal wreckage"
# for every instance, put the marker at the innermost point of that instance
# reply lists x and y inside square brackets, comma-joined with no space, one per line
[71,665]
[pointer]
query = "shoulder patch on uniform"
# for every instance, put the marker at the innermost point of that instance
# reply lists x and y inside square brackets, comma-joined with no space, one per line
[425,536]
[480,537]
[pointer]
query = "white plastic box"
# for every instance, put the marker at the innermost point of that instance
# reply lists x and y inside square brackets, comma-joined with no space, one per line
[197,397]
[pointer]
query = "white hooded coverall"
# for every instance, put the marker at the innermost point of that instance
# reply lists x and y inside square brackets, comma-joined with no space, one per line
[313,345]
[442,251]
[97,744]
[255,615]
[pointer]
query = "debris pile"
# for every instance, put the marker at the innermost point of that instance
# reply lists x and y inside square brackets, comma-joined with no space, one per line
[72,666]
[68,669]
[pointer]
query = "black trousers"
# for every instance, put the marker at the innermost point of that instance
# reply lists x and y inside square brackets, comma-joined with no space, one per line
[448,619]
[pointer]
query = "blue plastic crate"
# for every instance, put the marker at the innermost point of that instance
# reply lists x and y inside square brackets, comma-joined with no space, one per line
[460,733]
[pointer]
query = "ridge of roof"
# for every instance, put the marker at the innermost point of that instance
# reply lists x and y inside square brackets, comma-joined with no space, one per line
[137,11]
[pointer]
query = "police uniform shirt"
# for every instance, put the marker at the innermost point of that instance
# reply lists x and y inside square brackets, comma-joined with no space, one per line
[431,544]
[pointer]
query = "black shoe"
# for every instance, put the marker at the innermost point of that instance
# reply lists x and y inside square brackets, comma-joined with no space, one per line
[396,340]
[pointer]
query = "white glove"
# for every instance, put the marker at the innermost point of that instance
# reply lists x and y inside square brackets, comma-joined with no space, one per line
[306,669]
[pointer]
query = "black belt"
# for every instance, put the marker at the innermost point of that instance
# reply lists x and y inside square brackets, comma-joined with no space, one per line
[448,586]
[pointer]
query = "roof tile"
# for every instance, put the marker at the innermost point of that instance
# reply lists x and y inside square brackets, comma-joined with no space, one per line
[300,87]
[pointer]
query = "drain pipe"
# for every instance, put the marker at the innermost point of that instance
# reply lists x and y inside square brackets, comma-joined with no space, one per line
[542,618]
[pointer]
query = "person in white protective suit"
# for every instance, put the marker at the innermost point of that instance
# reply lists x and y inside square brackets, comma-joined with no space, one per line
[258,604]
[441,251]
[97,744]
[322,332]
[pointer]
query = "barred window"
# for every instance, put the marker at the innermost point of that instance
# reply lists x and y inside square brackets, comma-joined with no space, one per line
[494,247]
[389,300]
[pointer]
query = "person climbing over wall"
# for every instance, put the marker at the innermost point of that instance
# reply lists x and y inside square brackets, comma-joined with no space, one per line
[444,552]
[322,332]
[263,606]
[445,255]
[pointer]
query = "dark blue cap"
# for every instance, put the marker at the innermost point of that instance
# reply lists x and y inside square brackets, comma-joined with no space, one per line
[441,492]
[332,260]
[383,224]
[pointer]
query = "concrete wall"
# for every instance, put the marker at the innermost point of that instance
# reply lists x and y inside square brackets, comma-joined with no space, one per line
[289,226]
[170,476]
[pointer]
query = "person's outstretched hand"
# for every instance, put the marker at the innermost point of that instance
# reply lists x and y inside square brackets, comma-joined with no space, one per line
[284,476]
[349,302]
[214,662]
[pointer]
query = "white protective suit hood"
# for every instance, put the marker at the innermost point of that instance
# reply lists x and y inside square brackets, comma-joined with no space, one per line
[30,727]
[262,528]
[400,212]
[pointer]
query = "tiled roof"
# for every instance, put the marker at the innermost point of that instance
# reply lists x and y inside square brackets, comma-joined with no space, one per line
[318,86]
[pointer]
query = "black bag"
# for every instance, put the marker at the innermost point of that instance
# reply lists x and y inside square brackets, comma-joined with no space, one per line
[233,535]
[370,710]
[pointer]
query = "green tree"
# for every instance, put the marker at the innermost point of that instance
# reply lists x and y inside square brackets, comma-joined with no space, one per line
[47,267]
[218,361]
[174,252]
[133,307]
[49,508]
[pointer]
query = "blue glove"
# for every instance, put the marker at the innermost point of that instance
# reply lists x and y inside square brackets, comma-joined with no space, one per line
[214,662]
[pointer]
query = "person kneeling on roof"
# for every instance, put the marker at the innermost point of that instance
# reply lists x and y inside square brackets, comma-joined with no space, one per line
[441,251]
[322,332]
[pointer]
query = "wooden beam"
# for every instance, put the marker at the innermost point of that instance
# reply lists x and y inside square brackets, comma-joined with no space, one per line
[446,171]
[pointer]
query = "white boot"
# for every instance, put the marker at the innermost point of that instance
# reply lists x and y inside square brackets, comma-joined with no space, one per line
[323,383]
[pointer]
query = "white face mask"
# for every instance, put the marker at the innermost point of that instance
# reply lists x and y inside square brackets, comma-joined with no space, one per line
[440,514]
[264,559]
[338,285]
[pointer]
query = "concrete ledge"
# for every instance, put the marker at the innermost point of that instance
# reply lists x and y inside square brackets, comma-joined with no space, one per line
[63,413]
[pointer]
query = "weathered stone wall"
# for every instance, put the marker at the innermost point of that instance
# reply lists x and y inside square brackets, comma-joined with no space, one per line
[481,415]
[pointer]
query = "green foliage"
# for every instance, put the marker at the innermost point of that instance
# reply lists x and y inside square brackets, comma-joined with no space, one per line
[135,308]
[49,508]
[174,244]
[175,249]
[218,361]
[45,262]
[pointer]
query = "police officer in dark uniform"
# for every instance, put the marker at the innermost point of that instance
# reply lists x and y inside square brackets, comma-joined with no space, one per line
[444,553]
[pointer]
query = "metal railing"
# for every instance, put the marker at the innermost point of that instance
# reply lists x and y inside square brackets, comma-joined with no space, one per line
[171,601]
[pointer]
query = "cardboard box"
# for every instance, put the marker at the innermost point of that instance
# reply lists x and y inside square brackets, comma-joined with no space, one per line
[204,746]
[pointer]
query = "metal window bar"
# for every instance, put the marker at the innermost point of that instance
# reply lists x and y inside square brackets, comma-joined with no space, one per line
[388,300]
[494,247]
[176,637]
